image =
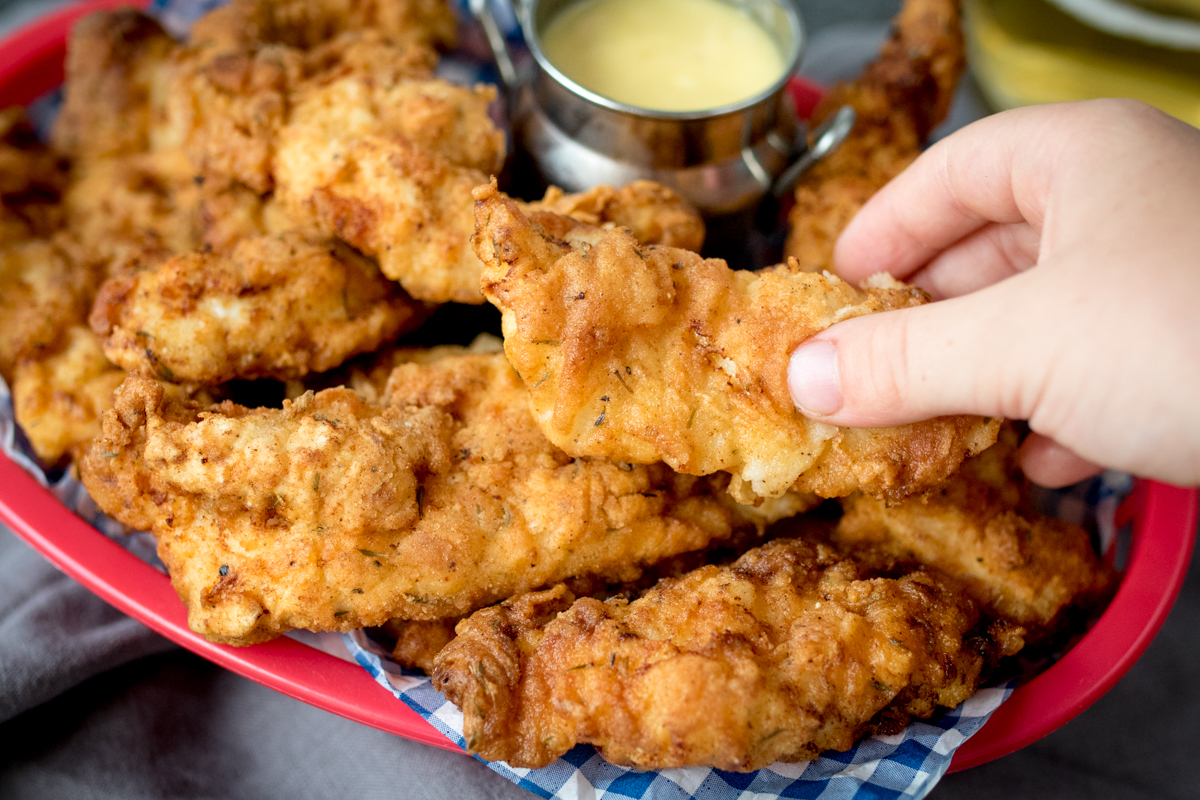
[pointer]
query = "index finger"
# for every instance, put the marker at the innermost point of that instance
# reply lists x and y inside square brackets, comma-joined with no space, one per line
[995,170]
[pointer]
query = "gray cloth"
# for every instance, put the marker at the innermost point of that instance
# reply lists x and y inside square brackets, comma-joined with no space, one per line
[54,633]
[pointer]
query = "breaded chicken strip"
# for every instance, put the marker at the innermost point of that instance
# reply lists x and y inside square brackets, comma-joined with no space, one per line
[31,181]
[412,210]
[334,514]
[1020,565]
[117,72]
[899,99]
[788,652]
[227,109]
[654,354]
[275,306]
[305,24]
[650,211]
[126,213]
[58,397]
[42,290]
[419,641]
[130,212]
[439,117]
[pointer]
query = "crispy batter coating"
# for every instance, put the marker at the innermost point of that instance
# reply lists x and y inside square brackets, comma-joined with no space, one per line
[788,652]
[226,110]
[305,24]
[129,212]
[58,397]
[434,115]
[419,641]
[653,213]
[653,353]
[334,514]
[411,210]
[899,99]
[275,306]
[31,181]
[1021,565]
[42,290]
[117,72]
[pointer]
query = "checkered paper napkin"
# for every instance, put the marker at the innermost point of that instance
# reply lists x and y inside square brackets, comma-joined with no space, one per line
[908,764]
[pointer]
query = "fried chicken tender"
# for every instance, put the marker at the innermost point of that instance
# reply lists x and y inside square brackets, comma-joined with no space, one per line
[788,652]
[117,73]
[650,211]
[412,210]
[437,116]
[42,290]
[655,354]
[226,110]
[419,641]
[1020,565]
[58,397]
[305,24]
[899,99]
[335,514]
[31,181]
[129,212]
[229,104]
[275,306]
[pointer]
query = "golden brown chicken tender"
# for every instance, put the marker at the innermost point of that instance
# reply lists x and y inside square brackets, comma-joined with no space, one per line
[42,290]
[433,115]
[411,210]
[126,213]
[653,353]
[788,652]
[225,111]
[650,211]
[117,72]
[1020,565]
[899,99]
[278,114]
[275,306]
[230,98]
[58,397]
[334,514]
[419,641]
[31,181]
[305,24]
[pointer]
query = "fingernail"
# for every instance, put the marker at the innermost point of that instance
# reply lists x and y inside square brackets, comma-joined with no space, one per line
[813,379]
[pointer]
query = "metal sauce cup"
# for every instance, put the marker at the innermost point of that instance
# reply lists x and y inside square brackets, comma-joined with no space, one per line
[722,160]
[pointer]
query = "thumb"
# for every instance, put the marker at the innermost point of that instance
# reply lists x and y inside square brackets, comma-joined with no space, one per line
[975,354]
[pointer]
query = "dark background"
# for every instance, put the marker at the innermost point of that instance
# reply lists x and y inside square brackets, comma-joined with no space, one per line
[95,706]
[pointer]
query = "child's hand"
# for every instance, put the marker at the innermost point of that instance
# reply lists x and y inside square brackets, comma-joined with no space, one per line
[1098,346]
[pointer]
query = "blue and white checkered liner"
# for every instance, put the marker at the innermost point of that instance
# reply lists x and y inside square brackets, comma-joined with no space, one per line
[905,765]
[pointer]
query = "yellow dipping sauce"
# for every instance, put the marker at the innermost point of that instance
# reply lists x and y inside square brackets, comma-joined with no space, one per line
[663,55]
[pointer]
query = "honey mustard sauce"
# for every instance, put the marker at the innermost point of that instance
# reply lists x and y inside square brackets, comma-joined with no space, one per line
[663,55]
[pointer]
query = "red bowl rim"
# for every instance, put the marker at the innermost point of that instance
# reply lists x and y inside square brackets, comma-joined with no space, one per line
[1164,521]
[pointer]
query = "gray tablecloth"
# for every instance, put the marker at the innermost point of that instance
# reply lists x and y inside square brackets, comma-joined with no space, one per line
[93,705]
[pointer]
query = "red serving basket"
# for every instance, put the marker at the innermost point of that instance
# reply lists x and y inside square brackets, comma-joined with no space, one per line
[1163,517]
